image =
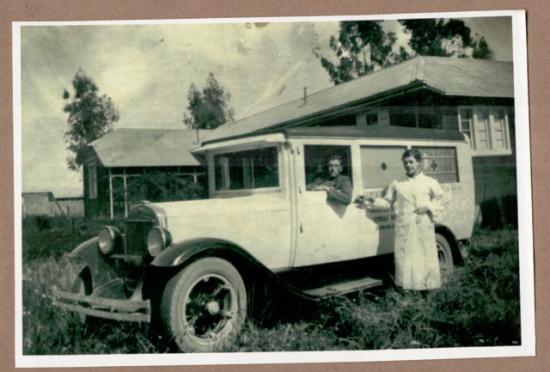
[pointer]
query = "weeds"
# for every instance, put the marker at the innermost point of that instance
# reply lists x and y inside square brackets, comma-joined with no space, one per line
[479,306]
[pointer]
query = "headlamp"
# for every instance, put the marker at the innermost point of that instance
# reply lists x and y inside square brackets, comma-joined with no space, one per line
[107,239]
[158,239]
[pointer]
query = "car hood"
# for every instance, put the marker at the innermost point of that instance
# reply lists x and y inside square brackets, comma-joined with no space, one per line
[217,208]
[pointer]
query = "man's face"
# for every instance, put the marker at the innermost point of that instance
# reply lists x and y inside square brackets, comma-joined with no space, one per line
[334,167]
[412,166]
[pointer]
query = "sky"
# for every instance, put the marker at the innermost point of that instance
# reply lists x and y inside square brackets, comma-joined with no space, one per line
[147,71]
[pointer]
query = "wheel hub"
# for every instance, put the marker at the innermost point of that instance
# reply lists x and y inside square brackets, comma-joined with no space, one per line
[213,307]
[209,307]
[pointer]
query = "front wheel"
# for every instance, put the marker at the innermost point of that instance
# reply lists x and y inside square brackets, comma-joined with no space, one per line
[445,255]
[204,306]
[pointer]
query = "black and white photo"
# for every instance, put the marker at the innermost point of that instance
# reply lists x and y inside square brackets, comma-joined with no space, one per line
[272,190]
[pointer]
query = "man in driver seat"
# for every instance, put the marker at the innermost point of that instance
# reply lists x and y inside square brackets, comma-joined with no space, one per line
[337,186]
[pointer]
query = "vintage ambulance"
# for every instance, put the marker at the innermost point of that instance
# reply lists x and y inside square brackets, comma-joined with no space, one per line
[200,268]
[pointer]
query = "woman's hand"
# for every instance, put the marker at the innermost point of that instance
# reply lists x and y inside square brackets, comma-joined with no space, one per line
[364,202]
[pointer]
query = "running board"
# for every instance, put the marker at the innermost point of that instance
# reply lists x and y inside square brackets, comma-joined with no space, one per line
[342,288]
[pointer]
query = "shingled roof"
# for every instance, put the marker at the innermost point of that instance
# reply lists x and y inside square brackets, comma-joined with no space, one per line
[128,147]
[447,76]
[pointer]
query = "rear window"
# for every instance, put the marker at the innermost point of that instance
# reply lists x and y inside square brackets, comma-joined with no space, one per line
[251,169]
[381,165]
[440,163]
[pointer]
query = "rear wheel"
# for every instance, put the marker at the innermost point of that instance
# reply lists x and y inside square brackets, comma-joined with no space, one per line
[445,255]
[204,306]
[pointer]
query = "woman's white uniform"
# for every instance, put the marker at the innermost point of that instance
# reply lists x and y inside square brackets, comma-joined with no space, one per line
[416,257]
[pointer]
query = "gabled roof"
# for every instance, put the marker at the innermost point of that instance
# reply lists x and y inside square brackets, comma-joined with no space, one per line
[127,147]
[447,76]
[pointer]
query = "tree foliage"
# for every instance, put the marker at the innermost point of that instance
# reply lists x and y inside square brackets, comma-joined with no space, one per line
[91,116]
[210,108]
[160,186]
[362,47]
[482,50]
[445,38]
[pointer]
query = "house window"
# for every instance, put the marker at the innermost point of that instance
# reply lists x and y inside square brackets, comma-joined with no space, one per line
[467,123]
[499,129]
[487,129]
[482,130]
[416,117]
[372,118]
[92,181]
[403,116]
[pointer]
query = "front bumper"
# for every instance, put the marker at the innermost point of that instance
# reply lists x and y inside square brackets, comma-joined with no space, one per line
[101,307]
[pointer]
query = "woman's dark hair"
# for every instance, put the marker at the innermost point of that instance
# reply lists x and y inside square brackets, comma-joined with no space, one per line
[414,153]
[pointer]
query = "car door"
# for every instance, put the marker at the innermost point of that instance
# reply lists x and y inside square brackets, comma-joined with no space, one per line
[327,231]
[380,165]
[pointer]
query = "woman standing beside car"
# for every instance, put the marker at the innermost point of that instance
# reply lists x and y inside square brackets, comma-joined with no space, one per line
[418,201]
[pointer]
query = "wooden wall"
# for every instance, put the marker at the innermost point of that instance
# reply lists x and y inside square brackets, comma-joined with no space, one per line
[44,205]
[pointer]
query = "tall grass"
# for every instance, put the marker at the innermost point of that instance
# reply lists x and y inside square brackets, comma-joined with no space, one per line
[479,306]
[51,237]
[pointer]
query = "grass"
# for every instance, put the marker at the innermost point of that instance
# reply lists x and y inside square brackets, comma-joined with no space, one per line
[479,306]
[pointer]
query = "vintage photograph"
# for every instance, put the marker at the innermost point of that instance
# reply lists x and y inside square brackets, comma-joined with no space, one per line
[236,186]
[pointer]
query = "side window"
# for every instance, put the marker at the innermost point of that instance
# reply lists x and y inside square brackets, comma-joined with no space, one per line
[316,159]
[243,170]
[440,163]
[92,181]
[381,165]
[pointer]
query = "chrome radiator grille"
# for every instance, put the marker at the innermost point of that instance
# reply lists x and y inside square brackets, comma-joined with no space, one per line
[136,237]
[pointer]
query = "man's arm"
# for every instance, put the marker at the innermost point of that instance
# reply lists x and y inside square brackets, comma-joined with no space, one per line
[341,192]
[313,184]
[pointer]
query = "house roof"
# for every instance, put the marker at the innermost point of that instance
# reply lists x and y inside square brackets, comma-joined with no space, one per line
[126,147]
[447,76]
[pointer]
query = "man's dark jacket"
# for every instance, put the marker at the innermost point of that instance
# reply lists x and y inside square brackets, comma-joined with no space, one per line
[341,189]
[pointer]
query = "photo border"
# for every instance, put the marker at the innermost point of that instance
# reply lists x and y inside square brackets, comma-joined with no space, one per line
[527,348]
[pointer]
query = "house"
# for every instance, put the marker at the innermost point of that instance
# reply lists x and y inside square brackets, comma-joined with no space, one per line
[37,203]
[113,162]
[475,97]
[45,204]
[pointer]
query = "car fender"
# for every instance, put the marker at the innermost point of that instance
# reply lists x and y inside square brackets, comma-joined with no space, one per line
[86,256]
[448,234]
[85,253]
[181,254]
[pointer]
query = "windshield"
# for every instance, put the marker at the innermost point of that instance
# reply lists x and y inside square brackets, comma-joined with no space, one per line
[252,169]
